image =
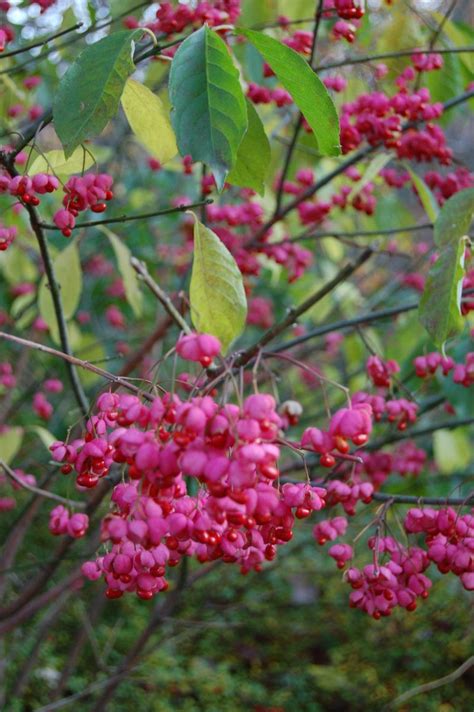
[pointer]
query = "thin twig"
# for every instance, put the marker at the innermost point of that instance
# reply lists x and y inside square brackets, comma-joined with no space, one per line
[77,362]
[296,312]
[40,43]
[141,269]
[128,218]
[349,61]
[428,686]
[37,490]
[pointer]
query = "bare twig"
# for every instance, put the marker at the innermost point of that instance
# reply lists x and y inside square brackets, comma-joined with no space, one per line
[434,684]
[37,490]
[141,269]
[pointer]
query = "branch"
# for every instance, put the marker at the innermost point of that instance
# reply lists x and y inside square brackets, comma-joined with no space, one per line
[128,218]
[422,501]
[428,686]
[355,321]
[294,313]
[160,294]
[392,55]
[37,490]
[77,388]
[40,43]
[418,432]
[73,360]
[356,233]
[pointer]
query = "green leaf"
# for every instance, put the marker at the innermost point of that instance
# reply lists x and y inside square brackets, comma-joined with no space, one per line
[307,90]
[371,172]
[130,282]
[67,267]
[217,295]
[455,217]
[10,443]
[427,198]
[57,163]
[149,120]
[253,156]
[44,435]
[89,93]
[439,310]
[209,114]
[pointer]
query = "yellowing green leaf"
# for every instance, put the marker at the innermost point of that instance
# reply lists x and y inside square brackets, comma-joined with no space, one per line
[149,120]
[452,450]
[218,302]
[57,163]
[130,282]
[10,443]
[67,267]
[426,196]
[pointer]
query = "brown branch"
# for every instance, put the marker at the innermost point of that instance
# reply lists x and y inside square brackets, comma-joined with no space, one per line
[141,269]
[37,490]
[116,380]
[391,55]
[129,218]
[428,686]
[296,312]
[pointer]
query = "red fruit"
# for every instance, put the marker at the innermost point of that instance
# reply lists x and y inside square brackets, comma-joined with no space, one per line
[66,469]
[144,595]
[205,361]
[327,460]
[67,232]
[302,512]
[98,207]
[113,593]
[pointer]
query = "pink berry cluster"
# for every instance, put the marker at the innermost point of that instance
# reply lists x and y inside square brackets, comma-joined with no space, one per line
[200,478]
[172,19]
[27,189]
[463,373]
[378,588]
[7,502]
[449,537]
[380,372]
[397,410]
[61,521]
[238,514]
[346,424]
[83,193]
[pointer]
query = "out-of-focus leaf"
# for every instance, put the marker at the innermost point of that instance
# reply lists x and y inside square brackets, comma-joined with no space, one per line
[427,198]
[44,435]
[149,120]
[89,93]
[306,88]
[10,443]
[217,295]
[439,310]
[67,267]
[253,156]
[209,113]
[130,282]
[452,450]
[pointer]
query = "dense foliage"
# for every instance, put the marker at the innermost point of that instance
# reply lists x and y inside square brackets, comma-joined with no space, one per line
[236,294]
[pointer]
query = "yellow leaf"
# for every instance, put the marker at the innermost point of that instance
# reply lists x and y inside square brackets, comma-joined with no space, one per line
[149,121]
[56,162]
